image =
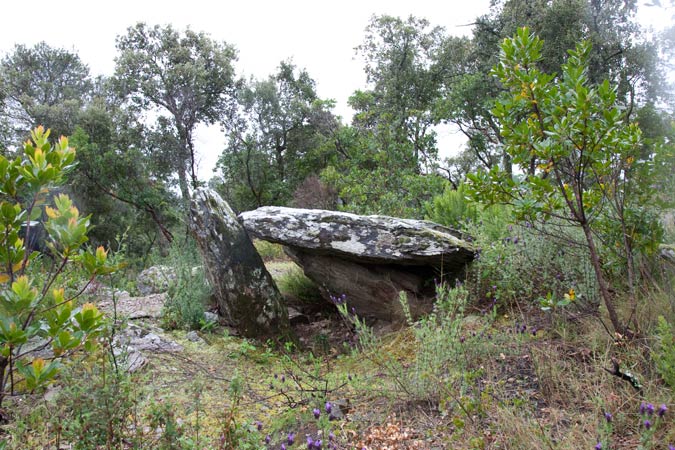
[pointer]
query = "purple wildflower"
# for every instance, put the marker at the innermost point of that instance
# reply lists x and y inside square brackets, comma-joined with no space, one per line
[283,378]
[259,425]
[291,438]
[268,439]
[662,410]
[647,424]
[283,446]
[643,407]
[598,446]
[650,409]
[310,443]
[332,417]
[329,407]
[331,436]
[608,417]
[317,444]
[316,412]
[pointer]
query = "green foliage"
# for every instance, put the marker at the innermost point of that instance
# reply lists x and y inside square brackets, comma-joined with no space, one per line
[236,434]
[268,250]
[398,57]
[517,266]
[379,178]
[119,180]
[275,138]
[577,154]
[36,313]
[452,207]
[42,85]
[386,162]
[663,354]
[295,285]
[97,403]
[187,75]
[438,359]
[189,294]
[469,91]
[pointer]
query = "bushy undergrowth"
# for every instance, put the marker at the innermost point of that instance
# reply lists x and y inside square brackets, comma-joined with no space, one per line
[298,287]
[189,294]
[269,251]
[97,405]
[664,351]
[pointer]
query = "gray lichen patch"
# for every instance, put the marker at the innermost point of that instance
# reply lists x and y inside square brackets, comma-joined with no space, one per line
[375,238]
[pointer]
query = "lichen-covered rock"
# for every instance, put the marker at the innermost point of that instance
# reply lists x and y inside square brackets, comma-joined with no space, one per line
[245,292]
[368,259]
[374,239]
[155,280]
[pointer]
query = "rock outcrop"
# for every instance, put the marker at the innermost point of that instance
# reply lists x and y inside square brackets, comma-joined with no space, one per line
[368,259]
[245,293]
[155,280]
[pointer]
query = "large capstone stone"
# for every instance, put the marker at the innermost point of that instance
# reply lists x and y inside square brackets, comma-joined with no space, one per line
[246,295]
[368,259]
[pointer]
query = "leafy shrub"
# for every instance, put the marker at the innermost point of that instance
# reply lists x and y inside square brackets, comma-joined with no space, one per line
[38,312]
[189,294]
[452,208]
[664,352]
[526,266]
[96,405]
[438,345]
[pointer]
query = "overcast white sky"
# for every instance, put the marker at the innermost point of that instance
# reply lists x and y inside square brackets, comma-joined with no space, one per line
[318,35]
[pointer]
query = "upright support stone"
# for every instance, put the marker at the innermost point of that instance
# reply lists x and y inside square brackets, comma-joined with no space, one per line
[245,291]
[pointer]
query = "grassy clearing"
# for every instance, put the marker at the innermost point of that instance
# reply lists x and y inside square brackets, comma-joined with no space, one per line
[518,381]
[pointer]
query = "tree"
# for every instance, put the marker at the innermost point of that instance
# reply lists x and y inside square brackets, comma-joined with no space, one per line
[117,178]
[275,138]
[42,85]
[399,59]
[574,148]
[188,77]
[386,162]
[618,53]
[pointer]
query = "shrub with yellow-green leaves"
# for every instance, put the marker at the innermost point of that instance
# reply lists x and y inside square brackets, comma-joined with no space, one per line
[37,315]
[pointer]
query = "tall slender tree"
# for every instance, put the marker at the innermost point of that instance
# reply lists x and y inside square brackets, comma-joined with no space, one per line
[187,77]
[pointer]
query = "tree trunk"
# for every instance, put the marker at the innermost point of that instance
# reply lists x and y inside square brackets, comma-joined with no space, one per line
[602,283]
[4,362]
[183,184]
